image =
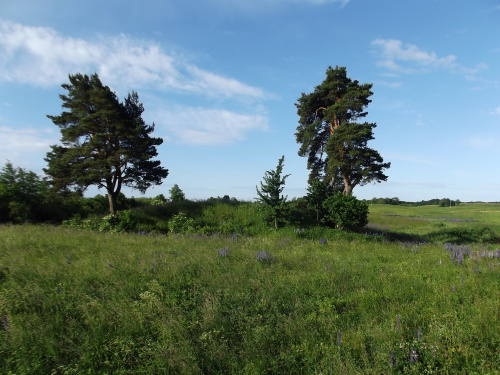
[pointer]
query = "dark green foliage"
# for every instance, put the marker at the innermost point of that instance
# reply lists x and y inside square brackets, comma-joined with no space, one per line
[352,159]
[23,195]
[346,212]
[330,138]
[176,194]
[272,203]
[105,142]
[317,193]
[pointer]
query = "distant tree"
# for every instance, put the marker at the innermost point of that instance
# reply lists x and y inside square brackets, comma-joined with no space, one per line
[272,203]
[333,142]
[105,142]
[176,194]
[22,194]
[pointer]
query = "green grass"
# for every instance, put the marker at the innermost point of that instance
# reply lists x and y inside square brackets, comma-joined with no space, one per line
[75,301]
[463,224]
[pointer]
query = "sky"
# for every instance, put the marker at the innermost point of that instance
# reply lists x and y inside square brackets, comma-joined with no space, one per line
[220,79]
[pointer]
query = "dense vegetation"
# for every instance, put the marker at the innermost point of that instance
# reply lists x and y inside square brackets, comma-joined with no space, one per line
[241,297]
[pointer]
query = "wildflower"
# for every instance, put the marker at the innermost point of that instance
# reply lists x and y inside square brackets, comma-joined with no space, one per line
[392,358]
[418,334]
[399,322]
[5,323]
[223,252]
[262,255]
[322,241]
[109,264]
[339,338]
[67,258]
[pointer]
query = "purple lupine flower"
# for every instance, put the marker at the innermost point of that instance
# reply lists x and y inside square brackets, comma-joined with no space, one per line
[67,258]
[60,289]
[339,338]
[392,358]
[263,255]
[412,356]
[399,323]
[322,241]
[418,335]
[109,264]
[5,323]
[223,252]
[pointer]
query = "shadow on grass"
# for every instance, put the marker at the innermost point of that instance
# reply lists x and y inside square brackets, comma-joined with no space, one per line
[459,236]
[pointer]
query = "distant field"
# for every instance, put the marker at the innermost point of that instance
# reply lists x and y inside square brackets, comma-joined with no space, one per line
[466,223]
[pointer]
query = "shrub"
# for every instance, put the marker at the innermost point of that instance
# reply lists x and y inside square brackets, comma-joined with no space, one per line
[180,223]
[345,212]
[123,221]
[159,200]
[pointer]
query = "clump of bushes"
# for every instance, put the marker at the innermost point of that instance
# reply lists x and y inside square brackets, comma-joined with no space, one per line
[345,212]
[121,222]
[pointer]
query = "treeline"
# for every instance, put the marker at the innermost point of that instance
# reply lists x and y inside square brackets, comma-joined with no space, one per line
[25,197]
[443,202]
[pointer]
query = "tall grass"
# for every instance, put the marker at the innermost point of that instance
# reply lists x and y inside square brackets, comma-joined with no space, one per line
[75,302]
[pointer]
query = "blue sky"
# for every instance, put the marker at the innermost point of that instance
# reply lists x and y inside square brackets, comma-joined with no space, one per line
[220,78]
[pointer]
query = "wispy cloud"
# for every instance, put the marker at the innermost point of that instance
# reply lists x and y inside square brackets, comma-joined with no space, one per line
[406,58]
[24,144]
[496,111]
[482,142]
[201,126]
[41,56]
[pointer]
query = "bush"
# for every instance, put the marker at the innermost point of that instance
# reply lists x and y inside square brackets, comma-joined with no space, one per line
[180,223]
[123,221]
[345,212]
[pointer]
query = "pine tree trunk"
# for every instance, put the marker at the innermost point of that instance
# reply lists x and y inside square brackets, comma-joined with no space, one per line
[112,203]
[348,190]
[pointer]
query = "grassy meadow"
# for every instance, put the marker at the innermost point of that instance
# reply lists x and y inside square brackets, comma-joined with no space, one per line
[417,293]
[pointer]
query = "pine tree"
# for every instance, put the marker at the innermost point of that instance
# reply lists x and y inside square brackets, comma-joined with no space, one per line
[105,142]
[272,203]
[333,142]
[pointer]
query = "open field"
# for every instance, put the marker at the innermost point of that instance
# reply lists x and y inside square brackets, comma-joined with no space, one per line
[464,224]
[76,301]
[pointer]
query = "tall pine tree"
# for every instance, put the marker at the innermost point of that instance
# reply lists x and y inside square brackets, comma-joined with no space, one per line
[329,136]
[105,142]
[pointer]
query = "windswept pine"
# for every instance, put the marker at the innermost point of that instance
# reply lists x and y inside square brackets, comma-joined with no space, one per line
[329,135]
[105,142]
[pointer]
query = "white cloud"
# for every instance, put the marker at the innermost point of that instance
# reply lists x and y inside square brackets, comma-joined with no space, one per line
[483,142]
[398,57]
[40,56]
[496,111]
[393,52]
[201,126]
[20,145]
